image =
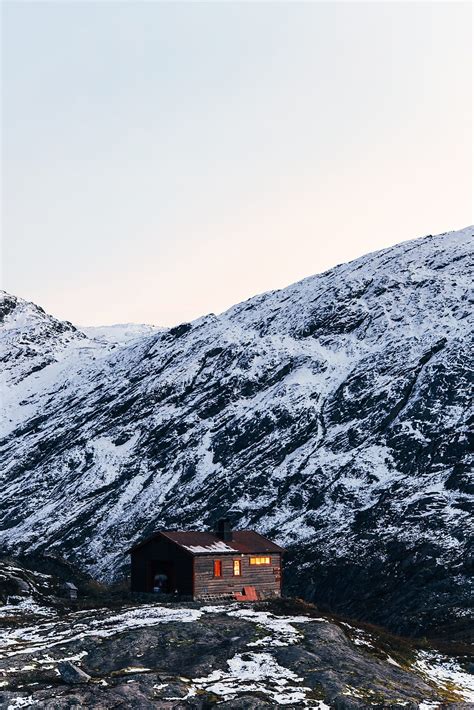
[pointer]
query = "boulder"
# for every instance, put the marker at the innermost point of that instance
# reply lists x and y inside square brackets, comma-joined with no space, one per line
[22,585]
[72,674]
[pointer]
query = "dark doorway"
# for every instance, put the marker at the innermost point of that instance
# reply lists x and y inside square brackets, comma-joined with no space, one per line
[160,577]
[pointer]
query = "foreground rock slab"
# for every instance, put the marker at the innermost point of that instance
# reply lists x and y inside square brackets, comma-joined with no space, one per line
[229,656]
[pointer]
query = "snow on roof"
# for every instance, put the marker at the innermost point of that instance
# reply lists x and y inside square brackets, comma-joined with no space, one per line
[213,547]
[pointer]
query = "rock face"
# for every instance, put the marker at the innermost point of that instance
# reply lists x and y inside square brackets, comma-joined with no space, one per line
[332,415]
[35,587]
[200,657]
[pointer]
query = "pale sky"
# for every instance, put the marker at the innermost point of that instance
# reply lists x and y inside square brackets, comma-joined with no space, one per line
[162,160]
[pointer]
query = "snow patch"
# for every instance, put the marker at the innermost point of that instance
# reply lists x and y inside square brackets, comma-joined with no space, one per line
[443,671]
[254,673]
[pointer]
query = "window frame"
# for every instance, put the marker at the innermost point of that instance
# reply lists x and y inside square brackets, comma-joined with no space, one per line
[217,565]
[260,557]
[237,563]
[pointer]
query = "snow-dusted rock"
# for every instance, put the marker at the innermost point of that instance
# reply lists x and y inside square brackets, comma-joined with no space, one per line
[331,415]
[157,656]
[30,339]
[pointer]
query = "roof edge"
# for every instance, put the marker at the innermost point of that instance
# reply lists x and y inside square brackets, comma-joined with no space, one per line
[163,533]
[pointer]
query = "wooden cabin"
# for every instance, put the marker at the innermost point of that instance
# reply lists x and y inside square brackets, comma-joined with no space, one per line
[238,564]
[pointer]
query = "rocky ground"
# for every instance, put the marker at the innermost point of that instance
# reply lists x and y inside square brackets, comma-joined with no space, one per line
[118,654]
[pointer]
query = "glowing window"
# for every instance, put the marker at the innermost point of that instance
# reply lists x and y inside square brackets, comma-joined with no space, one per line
[217,568]
[261,560]
[237,568]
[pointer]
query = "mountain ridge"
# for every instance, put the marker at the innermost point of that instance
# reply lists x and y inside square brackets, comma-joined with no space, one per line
[313,413]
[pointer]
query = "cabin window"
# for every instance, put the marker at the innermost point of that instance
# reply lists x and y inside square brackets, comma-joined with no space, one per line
[237,568]
[260,560]
[217,568]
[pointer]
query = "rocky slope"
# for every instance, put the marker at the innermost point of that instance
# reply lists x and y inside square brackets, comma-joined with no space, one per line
[197,657]
[332,415]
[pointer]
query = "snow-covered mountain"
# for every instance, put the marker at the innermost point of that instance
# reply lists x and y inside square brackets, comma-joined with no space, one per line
[121,333]
[331,415]
[30,339]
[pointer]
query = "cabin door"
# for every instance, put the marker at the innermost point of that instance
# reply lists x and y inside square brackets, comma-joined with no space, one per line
[160,577]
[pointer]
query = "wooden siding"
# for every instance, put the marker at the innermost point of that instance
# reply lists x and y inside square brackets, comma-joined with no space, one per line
[265,578]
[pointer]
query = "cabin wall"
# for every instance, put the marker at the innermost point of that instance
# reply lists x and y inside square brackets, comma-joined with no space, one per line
[160,550]
[265,578]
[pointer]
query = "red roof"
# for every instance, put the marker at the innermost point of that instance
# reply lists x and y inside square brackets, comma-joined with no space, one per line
[206,543]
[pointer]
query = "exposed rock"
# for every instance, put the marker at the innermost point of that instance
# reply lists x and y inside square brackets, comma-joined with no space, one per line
[193,657]
[247,703]
[22,586]
[71,674]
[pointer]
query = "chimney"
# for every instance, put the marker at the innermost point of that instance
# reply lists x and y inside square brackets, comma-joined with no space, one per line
[224,529]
